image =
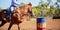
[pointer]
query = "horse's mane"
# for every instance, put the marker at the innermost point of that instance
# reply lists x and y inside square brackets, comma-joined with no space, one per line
[24,5]
[21,6]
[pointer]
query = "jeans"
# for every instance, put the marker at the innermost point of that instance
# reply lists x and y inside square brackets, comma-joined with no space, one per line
[10,11]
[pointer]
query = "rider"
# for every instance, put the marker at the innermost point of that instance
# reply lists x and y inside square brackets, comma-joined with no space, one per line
[14,4]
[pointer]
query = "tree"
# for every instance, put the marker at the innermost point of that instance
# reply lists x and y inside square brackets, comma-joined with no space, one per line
[0,8]
[58,0]
[42,9]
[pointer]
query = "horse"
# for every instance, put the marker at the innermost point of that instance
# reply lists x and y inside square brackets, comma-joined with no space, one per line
[26,11]
[17,16]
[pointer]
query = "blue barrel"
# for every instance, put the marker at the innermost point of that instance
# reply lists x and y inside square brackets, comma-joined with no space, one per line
[41,20]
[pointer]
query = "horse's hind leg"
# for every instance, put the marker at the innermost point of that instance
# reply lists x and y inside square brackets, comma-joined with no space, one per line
[10,26]
[3,22]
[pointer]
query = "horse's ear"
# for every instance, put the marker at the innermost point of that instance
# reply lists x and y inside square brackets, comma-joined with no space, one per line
[30,4]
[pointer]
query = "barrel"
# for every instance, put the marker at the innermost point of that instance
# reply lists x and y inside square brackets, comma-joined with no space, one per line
[41,23]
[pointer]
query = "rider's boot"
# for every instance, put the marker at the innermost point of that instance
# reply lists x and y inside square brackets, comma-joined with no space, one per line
[8,15]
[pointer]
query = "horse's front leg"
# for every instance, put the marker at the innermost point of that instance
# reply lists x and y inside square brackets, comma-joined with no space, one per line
[18,27]
[10,26]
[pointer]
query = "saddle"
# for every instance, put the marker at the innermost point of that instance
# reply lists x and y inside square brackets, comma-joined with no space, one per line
[8,14]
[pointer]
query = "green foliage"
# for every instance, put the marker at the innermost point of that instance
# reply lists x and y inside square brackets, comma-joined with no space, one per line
[58,0]
[36,11]
[42,10]
[0,8]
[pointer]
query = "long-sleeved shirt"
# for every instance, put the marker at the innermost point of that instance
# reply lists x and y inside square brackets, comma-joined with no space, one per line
[14,2]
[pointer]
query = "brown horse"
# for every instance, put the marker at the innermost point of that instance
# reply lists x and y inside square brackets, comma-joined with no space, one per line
[26,11]
[17,16]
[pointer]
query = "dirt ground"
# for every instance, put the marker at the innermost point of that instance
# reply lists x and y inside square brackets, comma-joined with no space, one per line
[51,24]
[25,25]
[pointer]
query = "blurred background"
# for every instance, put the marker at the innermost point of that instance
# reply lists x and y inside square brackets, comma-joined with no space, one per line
[41,8]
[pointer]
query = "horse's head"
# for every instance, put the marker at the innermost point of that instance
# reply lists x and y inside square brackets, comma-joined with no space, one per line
[30,9]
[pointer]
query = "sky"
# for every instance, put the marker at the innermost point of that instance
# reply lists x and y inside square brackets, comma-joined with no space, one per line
[6,3]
